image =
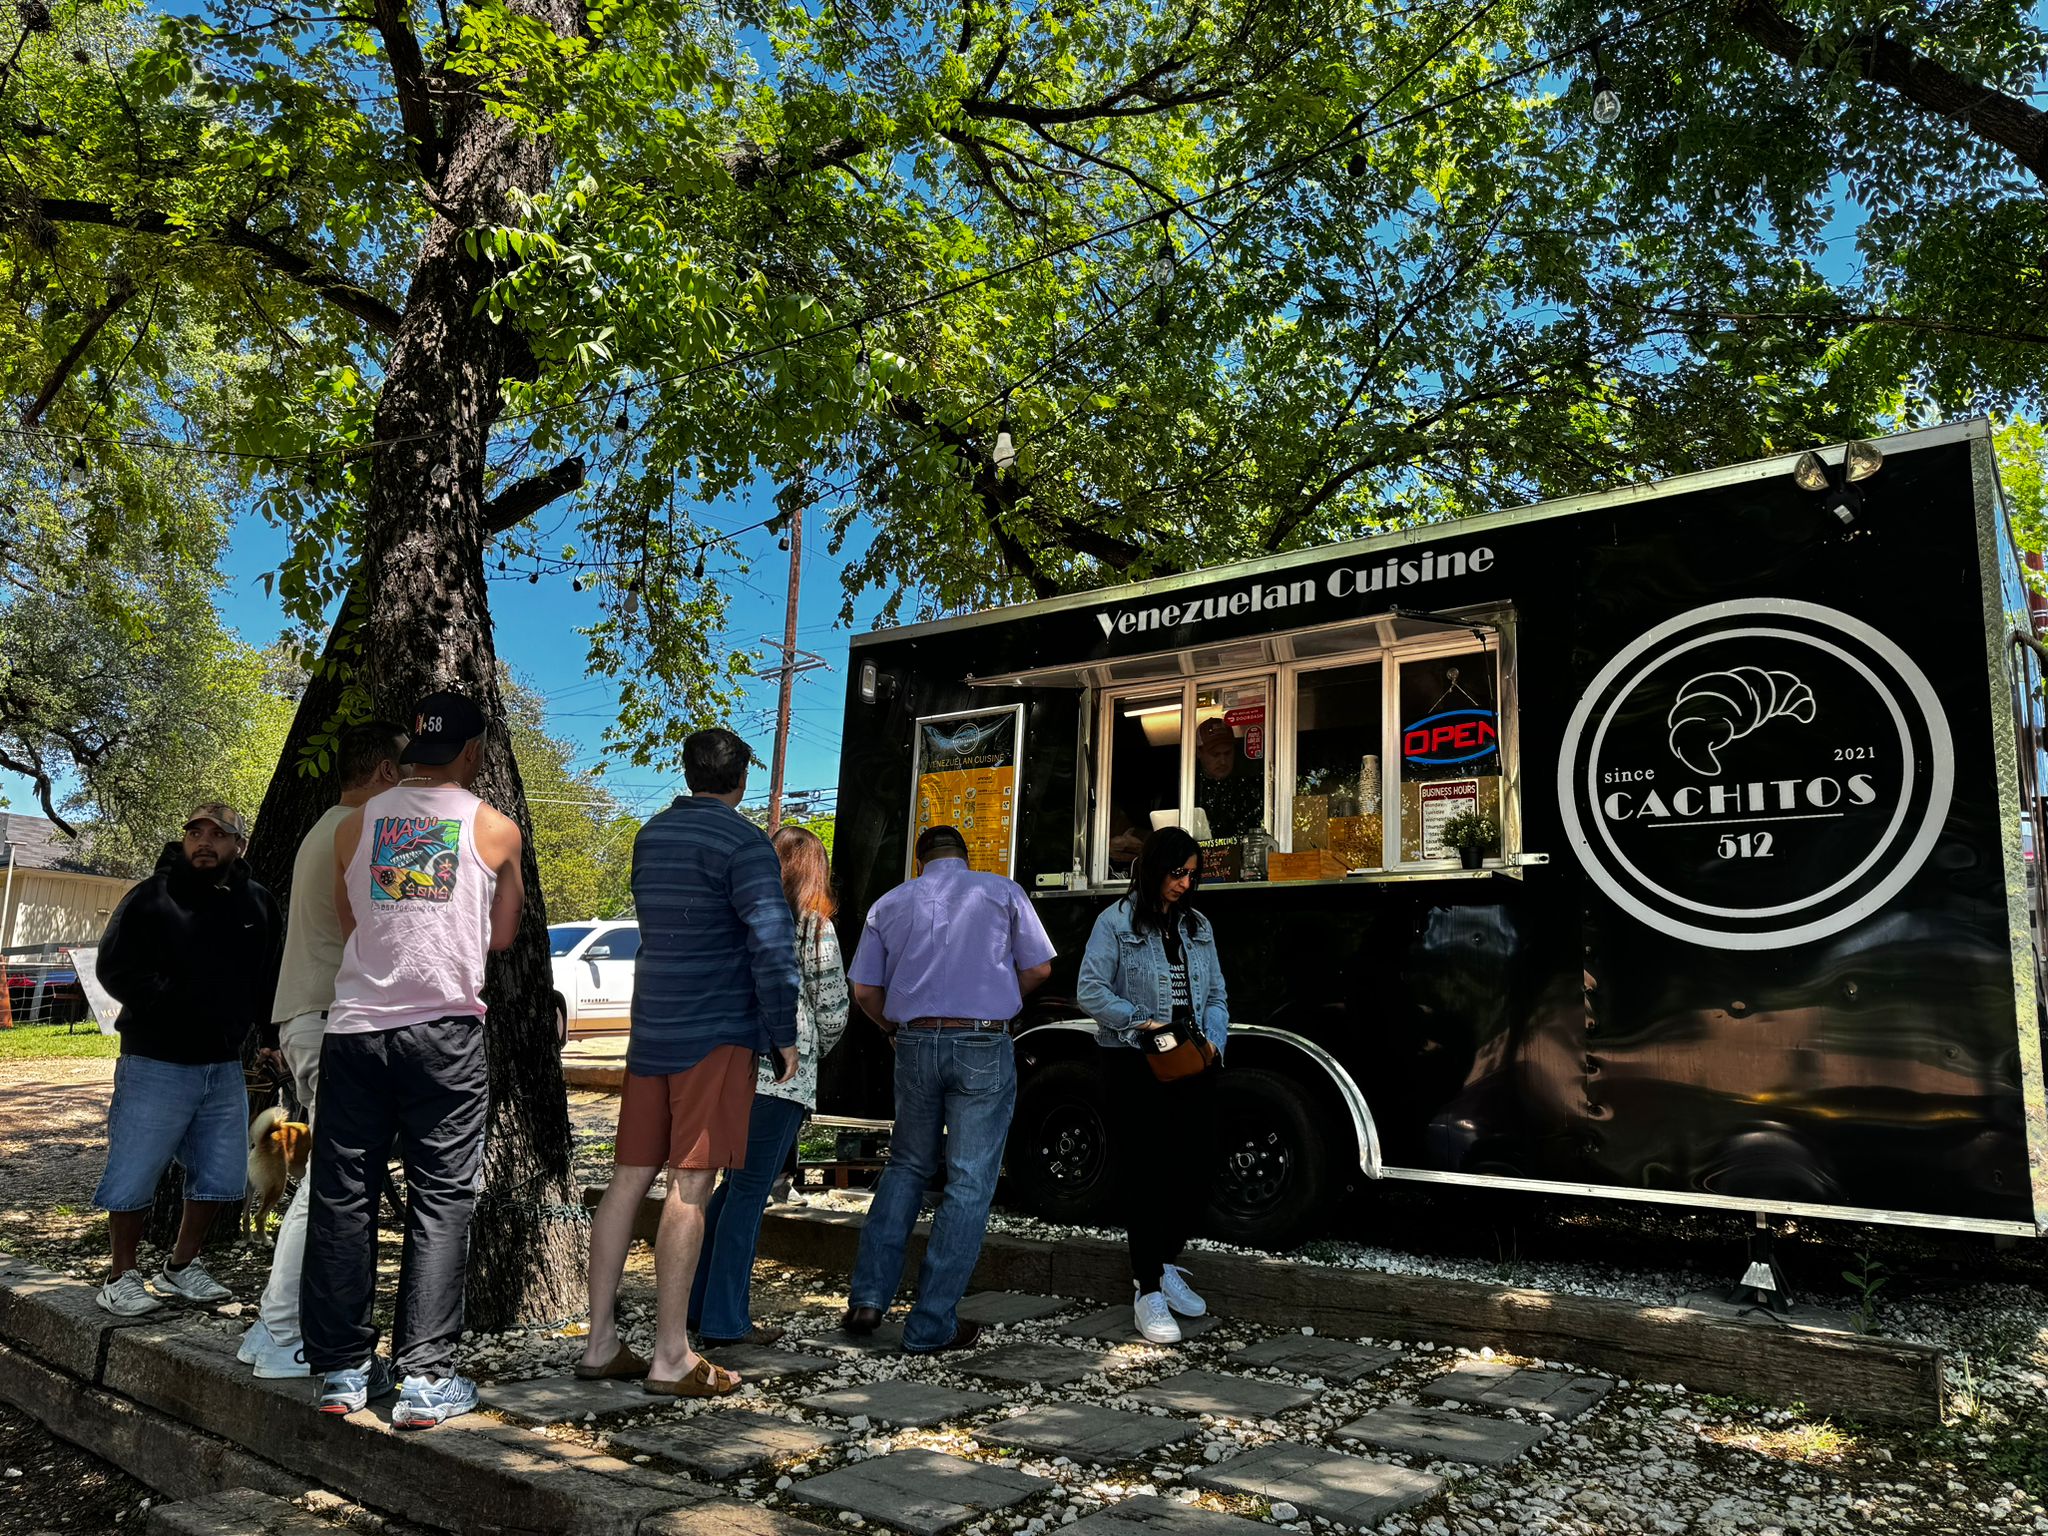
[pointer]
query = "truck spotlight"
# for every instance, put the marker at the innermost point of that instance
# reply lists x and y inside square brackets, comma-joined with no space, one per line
[1859,462]
[875,683]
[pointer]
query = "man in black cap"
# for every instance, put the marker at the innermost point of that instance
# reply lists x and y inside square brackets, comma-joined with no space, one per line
[944,964]
[427,882]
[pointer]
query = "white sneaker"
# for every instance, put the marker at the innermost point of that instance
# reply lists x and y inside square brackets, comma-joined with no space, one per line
[1155,1319]
[126,1296]
[192,1283]
[1173,1285]
[280,1361]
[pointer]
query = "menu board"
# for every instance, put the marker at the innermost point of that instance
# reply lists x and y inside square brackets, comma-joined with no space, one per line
[967,769]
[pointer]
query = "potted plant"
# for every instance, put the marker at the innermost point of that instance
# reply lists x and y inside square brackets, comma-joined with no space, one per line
[1473,835]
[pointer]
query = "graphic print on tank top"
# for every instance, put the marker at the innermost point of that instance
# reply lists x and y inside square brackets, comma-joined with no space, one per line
[415,858]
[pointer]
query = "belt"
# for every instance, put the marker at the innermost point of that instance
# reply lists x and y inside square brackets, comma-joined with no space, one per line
[993,1026]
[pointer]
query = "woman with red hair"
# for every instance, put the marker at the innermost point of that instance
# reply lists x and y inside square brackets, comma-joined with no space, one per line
[732,1222]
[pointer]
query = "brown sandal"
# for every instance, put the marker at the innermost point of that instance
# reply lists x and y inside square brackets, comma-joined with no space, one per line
[703,1380]
[624,1365]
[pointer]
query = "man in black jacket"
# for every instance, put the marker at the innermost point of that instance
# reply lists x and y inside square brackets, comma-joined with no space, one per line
[191,955]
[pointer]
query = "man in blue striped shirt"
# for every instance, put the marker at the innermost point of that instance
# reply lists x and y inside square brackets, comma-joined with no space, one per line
[714,987]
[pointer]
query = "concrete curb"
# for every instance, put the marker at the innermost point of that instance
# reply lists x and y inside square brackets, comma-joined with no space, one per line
[1877,1380]
[164,1398]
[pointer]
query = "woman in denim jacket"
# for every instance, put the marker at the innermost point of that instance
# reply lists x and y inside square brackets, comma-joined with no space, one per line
[1151,962]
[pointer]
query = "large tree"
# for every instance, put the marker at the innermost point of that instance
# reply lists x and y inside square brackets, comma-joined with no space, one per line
[1227,279]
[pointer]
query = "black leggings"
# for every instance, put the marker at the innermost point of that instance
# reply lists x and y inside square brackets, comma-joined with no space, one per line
[1163,1156]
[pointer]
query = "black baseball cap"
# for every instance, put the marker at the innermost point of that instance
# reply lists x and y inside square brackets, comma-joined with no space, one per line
[933,841]
[442,725]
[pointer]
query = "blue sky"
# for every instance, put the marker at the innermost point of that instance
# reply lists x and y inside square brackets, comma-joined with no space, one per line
[536,629]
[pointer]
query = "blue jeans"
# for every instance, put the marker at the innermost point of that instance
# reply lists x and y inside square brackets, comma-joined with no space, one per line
[732,1222]
[955,1091]
[162,1110]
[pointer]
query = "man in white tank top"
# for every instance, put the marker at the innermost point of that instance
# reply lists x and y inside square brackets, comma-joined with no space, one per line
[427,883]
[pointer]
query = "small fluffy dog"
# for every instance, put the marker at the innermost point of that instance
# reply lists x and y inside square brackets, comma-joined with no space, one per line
[278,1149]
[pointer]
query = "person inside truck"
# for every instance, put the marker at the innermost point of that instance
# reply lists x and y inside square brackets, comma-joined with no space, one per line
[1230,788]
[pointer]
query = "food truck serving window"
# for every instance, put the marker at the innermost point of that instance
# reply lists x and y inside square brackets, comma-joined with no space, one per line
[1347,752]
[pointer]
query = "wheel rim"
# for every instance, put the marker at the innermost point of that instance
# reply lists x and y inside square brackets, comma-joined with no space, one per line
[1072,1148]
[1258,1165]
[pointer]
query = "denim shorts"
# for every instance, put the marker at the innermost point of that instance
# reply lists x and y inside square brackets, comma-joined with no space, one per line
[165,1110]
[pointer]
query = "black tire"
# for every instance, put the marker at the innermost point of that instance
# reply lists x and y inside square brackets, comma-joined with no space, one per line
[561,1025]
[1275,1182]
[1058,1160]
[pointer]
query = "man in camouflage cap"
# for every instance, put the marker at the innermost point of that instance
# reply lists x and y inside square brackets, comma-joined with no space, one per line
[191,956]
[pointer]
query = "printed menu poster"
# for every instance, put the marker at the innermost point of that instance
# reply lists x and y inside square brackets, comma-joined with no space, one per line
[967,778]
[1440,802]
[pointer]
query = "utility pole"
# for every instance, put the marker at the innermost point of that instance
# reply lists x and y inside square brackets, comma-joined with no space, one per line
[793,662]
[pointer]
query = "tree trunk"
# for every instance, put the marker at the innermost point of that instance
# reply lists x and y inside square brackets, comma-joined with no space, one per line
[428,626]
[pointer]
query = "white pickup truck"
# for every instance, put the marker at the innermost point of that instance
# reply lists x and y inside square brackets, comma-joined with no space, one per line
[593,965]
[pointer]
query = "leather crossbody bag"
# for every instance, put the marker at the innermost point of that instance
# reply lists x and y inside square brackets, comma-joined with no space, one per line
[1177,1051]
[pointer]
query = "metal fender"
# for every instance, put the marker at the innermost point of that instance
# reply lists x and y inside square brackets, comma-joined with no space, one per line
[1362,1126]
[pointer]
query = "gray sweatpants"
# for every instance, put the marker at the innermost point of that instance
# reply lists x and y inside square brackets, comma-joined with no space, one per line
[424,1088]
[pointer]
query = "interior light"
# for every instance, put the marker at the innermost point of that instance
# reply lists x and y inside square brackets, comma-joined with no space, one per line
[1861,460]
[1161,722]
[1810,472]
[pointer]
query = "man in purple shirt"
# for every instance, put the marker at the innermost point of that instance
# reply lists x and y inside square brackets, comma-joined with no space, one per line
[943,966]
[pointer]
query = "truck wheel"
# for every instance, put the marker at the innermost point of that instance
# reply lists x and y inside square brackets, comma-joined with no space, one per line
[561,1025]
[1275,1178]
[1058,1155]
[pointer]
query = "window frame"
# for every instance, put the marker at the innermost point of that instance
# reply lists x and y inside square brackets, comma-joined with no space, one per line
[1282,682]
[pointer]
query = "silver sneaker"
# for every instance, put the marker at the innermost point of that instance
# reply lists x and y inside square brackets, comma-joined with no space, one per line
[192,1283]
[1173,1285]
[126,1296]
[1155,1319]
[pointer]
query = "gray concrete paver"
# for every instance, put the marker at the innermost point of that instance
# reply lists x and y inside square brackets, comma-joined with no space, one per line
[1086,1432]
[724,1444]
[1491,1384]
[1338,1360]
[1147,1515]
[1047,1365]
[1346,1489]
[563,1399]
[1445,1434]
[926,1493]
[1223,1396]
[915,1404]
[996,1308]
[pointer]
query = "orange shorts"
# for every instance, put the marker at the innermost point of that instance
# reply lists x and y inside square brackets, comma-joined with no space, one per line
[696,1118]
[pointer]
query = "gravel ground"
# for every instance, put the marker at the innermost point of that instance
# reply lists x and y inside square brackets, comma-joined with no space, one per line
[1654,1459]
[49,1485]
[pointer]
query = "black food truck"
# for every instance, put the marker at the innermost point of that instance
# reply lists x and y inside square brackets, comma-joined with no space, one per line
[1756,744]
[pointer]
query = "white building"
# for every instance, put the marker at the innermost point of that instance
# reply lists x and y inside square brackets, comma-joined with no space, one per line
[47,894]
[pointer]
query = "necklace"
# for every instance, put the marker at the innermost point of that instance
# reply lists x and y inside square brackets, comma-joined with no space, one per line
[421,779]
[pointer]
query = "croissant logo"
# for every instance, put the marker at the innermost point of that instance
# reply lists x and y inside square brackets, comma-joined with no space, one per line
[1719,707]
[1710,796]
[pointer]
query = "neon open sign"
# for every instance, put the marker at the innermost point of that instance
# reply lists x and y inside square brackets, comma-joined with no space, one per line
[1455,736]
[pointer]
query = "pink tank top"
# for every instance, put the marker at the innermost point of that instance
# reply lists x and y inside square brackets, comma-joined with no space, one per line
[422,903]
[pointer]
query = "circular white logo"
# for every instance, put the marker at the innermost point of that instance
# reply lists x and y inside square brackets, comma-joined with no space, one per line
[1756,774]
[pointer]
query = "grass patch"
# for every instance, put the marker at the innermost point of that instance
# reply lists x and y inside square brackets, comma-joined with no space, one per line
[1817,1441]
[817,1146]
[28,1042]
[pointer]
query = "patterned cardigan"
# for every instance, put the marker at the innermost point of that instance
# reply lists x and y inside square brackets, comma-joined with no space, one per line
[821,1010]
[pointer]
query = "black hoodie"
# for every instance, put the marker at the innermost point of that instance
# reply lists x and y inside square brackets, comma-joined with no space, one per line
[192,960]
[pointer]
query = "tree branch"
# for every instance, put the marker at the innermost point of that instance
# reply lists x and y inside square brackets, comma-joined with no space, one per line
[750,165]
[44,789]
[119,294]
[1992,115]
[349,297]
[521,499]
[415,95]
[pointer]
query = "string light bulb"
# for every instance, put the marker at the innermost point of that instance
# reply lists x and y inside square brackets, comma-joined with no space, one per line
[1606,102]
[1005,450]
